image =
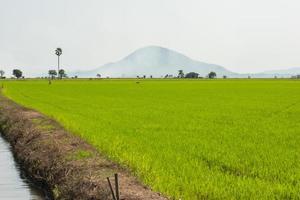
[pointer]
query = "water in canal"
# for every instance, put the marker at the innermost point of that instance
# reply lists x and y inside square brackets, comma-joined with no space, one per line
[13,185]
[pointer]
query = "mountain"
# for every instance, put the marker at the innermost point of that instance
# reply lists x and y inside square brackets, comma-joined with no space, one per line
[156,61]
[284,72]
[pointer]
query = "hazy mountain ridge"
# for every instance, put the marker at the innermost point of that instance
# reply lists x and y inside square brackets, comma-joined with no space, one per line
[281,73]
[290,71]
[156,61]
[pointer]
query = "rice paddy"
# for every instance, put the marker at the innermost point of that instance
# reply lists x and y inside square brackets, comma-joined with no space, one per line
[189,139]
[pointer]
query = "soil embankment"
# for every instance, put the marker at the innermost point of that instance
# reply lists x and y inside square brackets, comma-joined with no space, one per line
[63,164]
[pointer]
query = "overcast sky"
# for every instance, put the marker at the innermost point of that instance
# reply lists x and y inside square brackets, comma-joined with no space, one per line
[241,35]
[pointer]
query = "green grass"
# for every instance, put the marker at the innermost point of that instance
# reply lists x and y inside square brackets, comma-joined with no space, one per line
[190,139]
[80,154]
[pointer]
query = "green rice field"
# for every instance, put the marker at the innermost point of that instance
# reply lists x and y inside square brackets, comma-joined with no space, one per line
[189,139]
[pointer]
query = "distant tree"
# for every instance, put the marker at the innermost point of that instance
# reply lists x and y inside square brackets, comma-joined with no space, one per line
[212,75]
[98,75]
[224,77]
[249,77]
[62,73]
[75,76]
[58,52]
[144,76]
[2,73]
[151,76]
[52,73]
[192,75]
[166,76]
[17,73]
[138,76]
[180,73]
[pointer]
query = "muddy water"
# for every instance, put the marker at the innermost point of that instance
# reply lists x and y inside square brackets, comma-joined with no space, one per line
[13,185]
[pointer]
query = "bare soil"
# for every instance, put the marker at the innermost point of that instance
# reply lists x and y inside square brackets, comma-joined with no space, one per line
[61,163]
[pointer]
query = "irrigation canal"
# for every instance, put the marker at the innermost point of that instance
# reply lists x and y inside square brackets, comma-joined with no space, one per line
[13,184]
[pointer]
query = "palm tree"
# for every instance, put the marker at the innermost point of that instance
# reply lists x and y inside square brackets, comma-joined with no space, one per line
[58,52]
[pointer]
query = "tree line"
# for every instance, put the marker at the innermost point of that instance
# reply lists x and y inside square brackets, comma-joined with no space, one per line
[62,74]
[16,73]
[181,74]
[210,75]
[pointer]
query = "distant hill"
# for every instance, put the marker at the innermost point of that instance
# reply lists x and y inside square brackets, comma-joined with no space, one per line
[156,61]
[283,73]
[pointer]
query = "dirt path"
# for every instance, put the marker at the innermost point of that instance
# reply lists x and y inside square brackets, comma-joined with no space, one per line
[63,164]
